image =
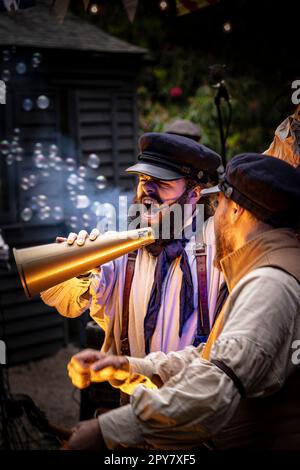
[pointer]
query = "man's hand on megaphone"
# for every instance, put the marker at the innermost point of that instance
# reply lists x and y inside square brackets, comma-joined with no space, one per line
[80,237]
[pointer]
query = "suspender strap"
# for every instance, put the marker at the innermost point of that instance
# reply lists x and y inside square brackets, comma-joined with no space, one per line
[203,326]
[125,349]
[229,372]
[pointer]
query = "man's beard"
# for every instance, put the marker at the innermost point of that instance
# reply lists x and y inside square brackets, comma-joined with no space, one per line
[175,232]
[224,243]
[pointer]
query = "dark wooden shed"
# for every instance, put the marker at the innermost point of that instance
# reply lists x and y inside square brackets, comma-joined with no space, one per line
[89,78]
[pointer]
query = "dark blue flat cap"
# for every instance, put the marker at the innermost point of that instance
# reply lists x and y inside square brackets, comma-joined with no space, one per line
[170,157]
[264,185]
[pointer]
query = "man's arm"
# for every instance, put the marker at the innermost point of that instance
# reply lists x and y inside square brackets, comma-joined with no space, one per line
[200,400]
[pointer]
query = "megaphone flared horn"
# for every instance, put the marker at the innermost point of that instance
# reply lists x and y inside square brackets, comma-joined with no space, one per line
[44,266]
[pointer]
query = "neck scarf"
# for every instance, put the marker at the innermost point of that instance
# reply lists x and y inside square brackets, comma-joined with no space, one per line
[165,256]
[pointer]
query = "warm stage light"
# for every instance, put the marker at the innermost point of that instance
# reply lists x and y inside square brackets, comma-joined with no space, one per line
[163,5]
[94,9]
[227,27]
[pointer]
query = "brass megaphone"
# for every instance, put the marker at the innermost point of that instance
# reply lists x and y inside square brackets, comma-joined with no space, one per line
[44,266]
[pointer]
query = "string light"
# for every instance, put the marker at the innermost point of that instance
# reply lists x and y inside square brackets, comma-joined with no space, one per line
[227,27]
[163,5]
[94,9]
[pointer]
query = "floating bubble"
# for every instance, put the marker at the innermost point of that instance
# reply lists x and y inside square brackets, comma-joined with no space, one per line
[70,164]
[72,179]
[27,104]
[53,149]
[26,214]
[36,60]
[81,185]
[4,147]
[58,163]
[19,152]
[6,75]
[33,179]
[21,68]
[40,161]
[57,213]
[41,200]
[43,102]
[38,146]
[86,217]
[93,160]
[17,132]
[33,203]
[6,55]
[9,159]
[24,183]
[45,175]
[73,219]
[101,182]
[82,171]
[82,201]
[43,215]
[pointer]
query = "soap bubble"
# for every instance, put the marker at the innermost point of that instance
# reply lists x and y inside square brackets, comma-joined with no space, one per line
[17,132]
[26,214]
[38,146]
[82,201]
[6,75]
[4,147]
[93,161]
[24,183]
[45,174]
[58,163]
[19,152]
[101,182]
[86,217]
[73,219]
[43,102]
[40,161]
[72,179]
[82,171]
[6,55]
[21,68]
[9,159]
[53,149]
[33,203]
[42,200]
[70,164]
[33,179]
[57,213]
[27,104]
[36,60]
[43,214]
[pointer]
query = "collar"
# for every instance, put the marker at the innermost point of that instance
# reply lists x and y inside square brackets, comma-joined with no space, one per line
[277,247]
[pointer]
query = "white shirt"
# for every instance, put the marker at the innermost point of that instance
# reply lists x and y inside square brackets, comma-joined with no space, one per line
[106,286]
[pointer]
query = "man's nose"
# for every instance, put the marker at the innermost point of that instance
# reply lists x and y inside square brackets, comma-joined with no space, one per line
[149,187]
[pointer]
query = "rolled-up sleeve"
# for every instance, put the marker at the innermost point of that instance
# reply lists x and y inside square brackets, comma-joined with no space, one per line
[198,401]
[68,297]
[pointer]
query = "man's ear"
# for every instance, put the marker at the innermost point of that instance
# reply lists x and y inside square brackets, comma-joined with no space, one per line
[236,211]
[194,195]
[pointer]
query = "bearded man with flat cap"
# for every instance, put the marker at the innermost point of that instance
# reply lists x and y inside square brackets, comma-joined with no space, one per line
[166,291]
[241,388]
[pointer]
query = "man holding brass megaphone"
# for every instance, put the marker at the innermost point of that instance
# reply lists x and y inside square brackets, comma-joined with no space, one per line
[161,297]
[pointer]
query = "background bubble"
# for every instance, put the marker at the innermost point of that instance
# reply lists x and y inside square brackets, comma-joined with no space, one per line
[93,161]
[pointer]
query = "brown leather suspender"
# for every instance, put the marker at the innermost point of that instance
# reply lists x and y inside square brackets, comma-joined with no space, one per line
[203,326]
[125,348]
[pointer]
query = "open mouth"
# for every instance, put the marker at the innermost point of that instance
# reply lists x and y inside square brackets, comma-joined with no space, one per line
[152,207]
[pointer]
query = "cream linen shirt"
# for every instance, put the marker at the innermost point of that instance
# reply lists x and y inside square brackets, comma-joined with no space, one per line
[262,320]
[106,287]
